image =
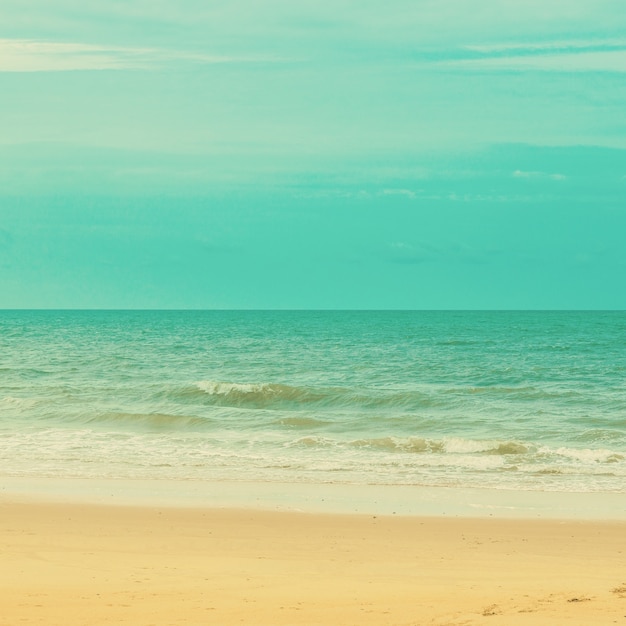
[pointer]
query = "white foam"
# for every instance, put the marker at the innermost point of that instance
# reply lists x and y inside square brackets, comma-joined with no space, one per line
[217,388]
[587,455]
[455,445]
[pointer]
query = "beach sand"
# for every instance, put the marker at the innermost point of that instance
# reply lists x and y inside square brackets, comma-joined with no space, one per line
[74,564]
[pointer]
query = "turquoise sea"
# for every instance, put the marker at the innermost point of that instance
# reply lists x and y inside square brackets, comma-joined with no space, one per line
[509,400]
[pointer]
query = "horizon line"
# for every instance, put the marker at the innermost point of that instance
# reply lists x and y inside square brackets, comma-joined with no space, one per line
[308,310]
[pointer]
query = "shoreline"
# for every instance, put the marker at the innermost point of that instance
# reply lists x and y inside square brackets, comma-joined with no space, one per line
[97,564]
[337,499]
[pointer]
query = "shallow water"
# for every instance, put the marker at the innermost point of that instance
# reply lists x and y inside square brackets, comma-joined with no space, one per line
[512,400]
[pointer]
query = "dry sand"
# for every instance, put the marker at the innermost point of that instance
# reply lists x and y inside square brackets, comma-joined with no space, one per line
[75,564]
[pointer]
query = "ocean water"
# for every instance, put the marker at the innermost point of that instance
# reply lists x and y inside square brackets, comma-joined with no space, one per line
[508,400]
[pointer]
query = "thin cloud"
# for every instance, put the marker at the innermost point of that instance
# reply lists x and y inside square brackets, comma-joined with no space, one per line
[541,175]
[549,46]
[408,193]
[411,254]
[27,55]
[613,61]
[551,56]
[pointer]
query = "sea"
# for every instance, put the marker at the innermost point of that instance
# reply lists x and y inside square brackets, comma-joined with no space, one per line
[529,401]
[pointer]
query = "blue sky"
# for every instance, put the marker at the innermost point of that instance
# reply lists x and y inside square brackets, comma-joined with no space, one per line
[407,154]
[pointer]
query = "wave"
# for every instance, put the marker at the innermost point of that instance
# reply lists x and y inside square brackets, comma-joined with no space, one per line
[512,452]
[12,401]
[277,396]
[148,421]
[314,442]
[604,435]
[396,444]
[521,393]
[588,455]
[443,446]
[420,445]
[259,395]
[301,422]
[269,395]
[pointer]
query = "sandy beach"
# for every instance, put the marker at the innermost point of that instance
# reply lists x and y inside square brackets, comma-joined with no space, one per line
[143,565]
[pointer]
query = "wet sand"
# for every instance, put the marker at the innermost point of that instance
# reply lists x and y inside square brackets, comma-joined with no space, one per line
[89,564]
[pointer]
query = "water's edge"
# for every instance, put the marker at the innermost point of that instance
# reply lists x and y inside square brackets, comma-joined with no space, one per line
[320,498]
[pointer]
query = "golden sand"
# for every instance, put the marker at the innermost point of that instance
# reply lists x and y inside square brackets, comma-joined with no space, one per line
[72,564]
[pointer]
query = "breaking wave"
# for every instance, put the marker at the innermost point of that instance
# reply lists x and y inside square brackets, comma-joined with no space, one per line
[514,451]
[443,446]
[275,396]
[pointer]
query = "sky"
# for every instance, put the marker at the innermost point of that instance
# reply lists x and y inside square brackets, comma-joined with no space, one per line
[411,154]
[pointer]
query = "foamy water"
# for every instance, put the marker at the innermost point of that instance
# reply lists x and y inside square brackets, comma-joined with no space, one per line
[531,401]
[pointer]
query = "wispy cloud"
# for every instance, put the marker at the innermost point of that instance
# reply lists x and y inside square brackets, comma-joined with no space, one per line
[539,47]
[538,175]
[407,193]
[411,253]
[551,56]
[27,55]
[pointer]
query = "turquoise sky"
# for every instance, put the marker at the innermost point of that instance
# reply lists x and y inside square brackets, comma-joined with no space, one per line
[347,154]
